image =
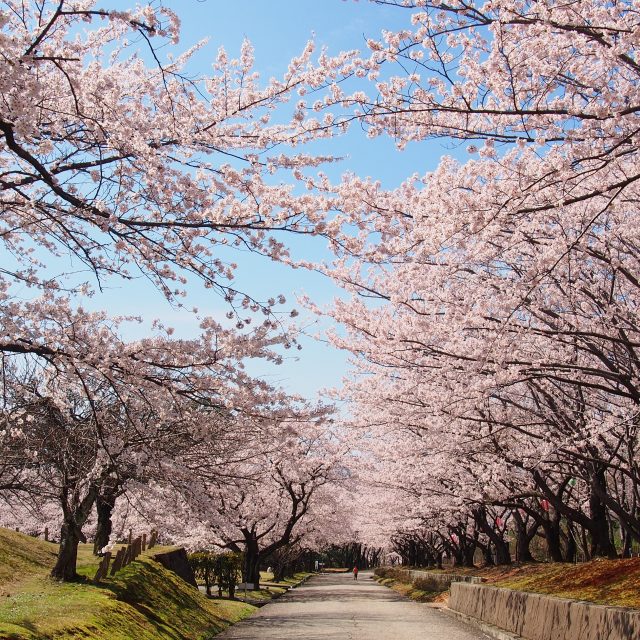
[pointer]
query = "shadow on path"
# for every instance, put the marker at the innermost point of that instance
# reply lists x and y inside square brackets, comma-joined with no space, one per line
[336,607]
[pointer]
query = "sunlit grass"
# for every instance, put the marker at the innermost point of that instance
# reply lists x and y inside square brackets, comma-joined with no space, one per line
[612,582]
[143,601]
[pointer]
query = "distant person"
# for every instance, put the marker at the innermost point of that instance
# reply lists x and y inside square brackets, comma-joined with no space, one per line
[355,573]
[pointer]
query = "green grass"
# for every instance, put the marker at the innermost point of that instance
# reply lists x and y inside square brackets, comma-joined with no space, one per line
[269,589]
[143,601]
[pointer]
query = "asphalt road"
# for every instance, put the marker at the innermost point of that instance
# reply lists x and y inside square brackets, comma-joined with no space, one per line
[335,607]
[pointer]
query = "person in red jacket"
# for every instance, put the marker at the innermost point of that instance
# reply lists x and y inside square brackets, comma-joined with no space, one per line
[355,573]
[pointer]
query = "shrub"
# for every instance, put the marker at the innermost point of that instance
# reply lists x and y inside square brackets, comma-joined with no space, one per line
[223,569]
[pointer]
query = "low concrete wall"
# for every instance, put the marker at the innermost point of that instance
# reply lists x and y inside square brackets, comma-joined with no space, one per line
[177,562]
[538,617]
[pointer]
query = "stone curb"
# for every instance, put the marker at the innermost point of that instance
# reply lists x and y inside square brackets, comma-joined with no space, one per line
[486,628]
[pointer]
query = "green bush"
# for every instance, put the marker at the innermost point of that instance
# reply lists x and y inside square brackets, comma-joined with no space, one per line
[222,569]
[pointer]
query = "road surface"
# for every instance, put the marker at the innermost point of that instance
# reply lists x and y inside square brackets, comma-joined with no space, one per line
[335,607]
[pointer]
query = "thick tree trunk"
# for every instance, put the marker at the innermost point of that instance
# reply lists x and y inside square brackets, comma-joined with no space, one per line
[601,544]
[523,552]
[468,555]
[551,528]
[488,556]
[458,556]
[65,567]
[104,508]
[503,553]
[251,565]
[523,539]
[278,572]
[469,560]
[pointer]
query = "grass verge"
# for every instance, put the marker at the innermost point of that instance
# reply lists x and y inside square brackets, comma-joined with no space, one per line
[143,601]
[270,590]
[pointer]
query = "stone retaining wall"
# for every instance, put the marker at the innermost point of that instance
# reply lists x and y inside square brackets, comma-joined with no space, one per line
[537,617]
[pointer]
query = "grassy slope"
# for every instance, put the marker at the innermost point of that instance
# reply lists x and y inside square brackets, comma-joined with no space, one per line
[610,582]
[143,601]
[613,582]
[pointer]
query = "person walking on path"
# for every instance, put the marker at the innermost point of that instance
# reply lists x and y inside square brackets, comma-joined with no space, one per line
[355,573]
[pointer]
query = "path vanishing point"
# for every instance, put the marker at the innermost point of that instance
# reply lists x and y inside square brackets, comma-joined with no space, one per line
[335,607]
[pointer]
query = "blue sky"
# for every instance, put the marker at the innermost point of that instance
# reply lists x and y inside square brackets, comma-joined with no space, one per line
[279,30]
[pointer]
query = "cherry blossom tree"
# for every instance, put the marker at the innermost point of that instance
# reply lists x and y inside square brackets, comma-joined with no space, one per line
[280,497]
[494,300]
[114,156]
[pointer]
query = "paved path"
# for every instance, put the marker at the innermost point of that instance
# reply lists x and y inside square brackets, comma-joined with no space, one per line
[335,607]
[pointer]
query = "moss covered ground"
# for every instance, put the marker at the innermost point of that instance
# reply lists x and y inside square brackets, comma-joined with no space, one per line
[143,601]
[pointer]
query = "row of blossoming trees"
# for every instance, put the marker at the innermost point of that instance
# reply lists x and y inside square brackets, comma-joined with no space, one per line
[494,309]
[116,166]
[493,302]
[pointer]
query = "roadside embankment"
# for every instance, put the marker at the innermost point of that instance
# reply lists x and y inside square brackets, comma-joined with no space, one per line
[144,600]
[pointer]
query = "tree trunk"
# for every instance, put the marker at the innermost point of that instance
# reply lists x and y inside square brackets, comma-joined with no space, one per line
[503,555]
[251,565]
[104,508]
[601,544]
[278,572]
[468,555]
[572,547]
[524,536]
[488,556]
[523,552]
[65,568]
[627,542]
[551,528]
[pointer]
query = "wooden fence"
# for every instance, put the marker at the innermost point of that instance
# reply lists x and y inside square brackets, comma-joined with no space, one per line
[125,555]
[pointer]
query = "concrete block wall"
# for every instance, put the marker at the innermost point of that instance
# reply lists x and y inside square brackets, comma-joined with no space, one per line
[537,617]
